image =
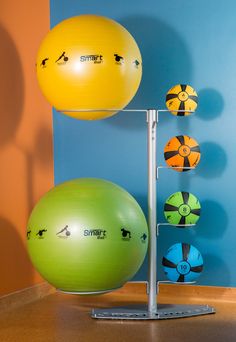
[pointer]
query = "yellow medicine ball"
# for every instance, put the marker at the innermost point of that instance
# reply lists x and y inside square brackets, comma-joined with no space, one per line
[89,62]
[181,97]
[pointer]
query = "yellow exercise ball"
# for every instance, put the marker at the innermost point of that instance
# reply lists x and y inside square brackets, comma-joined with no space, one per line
[89,62]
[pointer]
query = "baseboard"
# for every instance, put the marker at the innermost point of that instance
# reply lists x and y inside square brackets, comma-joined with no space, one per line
[167,293]
[16,299]
[185,292]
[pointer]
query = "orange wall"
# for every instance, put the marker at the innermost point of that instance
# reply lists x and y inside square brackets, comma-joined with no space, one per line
[26,166]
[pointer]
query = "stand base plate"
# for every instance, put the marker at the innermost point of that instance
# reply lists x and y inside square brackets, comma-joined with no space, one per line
[164,311]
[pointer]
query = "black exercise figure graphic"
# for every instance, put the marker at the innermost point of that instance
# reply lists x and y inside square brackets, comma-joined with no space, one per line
[65,58]
[118,58]
[126,233]
[43,63]
[144,237]
[65,229]
[41,231]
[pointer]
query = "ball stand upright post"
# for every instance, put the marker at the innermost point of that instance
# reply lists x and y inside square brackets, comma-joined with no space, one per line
[152,310]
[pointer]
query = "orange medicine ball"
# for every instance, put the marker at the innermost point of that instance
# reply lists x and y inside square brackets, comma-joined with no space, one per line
[89,62]
[182,152]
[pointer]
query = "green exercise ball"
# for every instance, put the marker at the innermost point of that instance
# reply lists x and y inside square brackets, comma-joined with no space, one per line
[87,236]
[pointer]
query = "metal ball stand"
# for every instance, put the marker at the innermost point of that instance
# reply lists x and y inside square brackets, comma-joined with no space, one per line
[152,310]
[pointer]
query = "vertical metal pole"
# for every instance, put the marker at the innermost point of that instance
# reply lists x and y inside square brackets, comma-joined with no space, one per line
[152,219]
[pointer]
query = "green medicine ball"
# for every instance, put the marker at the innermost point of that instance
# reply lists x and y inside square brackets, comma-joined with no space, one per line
[182,208]
[87,236]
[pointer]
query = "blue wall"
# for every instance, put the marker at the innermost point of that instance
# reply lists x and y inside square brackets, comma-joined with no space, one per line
[181,42]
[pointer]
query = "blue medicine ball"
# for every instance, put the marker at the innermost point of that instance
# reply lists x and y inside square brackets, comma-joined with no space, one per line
[182,263]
